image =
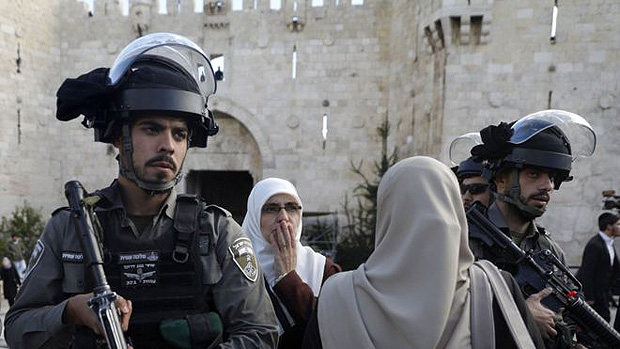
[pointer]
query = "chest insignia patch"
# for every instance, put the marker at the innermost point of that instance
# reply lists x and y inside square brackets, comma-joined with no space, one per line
[243,256]
[72,257]
[139,269]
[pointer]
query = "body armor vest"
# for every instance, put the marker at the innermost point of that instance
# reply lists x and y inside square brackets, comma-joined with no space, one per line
[154,274]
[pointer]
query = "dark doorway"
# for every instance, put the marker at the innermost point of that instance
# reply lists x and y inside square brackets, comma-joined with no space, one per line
[228,189]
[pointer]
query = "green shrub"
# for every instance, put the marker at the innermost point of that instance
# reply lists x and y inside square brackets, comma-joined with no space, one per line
[358,236]
[27,223]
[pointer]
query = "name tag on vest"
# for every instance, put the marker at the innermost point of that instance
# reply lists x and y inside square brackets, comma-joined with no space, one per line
[72,257]
[139,269]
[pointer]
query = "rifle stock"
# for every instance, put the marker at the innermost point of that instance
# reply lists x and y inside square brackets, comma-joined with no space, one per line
[103,299]
[538,270]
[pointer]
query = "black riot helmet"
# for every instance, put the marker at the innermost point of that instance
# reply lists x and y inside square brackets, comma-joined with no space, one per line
[160,73]
[468,168]
[549,139]
[459,154]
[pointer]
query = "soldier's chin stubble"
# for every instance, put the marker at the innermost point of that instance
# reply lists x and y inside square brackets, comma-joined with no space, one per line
[160,177]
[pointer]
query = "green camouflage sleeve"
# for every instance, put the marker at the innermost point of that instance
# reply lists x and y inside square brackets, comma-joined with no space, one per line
[240,295]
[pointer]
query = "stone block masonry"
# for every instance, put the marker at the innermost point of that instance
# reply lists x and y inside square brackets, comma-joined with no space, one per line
[436,69]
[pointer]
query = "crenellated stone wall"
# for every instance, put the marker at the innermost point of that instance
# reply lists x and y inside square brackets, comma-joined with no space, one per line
[464,64]
[435,69]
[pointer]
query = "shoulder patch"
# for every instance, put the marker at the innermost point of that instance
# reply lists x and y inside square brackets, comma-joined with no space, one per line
[35,257]
[243,255]
[219,209]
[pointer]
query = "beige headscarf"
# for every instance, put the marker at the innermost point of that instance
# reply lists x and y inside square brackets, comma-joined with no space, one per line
[413,292]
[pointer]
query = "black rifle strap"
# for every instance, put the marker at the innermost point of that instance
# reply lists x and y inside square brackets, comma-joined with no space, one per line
[185,223]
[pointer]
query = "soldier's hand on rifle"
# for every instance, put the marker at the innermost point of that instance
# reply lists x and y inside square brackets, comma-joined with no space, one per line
[283,242]
[125,308]
[77,312]
[544,318]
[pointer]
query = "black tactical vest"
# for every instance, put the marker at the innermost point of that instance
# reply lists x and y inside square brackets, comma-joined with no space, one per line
[162,277]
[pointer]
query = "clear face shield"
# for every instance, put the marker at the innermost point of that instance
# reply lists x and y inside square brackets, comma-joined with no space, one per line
[460,148]
[184,54]
[578,131]
[578,134]
[173,47]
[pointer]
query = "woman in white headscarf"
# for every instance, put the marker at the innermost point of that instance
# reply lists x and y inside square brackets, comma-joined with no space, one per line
[414,290]
[294,273]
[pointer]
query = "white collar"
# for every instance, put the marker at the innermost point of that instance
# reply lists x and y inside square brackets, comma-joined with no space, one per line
[608,240]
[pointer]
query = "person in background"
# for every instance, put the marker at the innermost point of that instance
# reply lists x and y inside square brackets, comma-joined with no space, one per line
[599,265]
[294,273]
[420,288]
[10,280]
[16,254]
[474,187]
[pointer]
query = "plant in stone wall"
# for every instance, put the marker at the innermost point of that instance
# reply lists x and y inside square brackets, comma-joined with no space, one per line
[321,233]
[358,236]
[27,223]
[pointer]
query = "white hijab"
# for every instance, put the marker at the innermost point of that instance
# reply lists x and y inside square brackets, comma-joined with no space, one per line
[413,292]
[310,264]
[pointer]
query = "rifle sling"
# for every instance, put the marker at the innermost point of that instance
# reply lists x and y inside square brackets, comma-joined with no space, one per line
[512,315]
[482,328]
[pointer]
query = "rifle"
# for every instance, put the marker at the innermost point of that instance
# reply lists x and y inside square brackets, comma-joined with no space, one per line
[538,270]
[103,299]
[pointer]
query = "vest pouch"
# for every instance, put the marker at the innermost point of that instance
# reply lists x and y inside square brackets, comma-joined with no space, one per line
[73,280]
[193,331]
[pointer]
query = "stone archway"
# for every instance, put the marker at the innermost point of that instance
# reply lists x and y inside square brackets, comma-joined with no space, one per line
[223,105]
[225,172]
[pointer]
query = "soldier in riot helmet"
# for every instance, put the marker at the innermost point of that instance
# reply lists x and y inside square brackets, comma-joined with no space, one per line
[528,160]
[186,273]
[474,187]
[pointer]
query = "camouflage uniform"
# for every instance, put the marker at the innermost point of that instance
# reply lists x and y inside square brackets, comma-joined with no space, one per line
[227,279]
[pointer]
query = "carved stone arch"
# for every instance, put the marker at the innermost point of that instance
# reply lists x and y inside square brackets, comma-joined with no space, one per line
[249,120]
[225,171]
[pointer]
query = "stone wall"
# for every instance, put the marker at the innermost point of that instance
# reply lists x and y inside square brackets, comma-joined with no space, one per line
[342,61]
[435,69]
[480,62]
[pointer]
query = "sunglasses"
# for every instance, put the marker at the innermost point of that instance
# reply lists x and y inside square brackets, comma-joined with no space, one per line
[275,208]
[474,189]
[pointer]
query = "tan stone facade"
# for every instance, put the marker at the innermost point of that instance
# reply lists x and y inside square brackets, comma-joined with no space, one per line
[436,69]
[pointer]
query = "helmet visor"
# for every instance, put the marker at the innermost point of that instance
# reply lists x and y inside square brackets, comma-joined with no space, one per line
[171,46]
[460,148]
[580,134]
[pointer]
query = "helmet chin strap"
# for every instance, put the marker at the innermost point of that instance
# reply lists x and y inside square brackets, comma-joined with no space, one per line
[154,188]
[514,199]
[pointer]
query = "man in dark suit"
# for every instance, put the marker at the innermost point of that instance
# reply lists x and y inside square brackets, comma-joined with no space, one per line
[600,266]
